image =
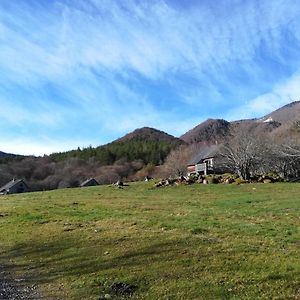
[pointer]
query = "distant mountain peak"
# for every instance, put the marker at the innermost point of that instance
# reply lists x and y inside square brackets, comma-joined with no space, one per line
[3,154]
[211,131]
[150,134]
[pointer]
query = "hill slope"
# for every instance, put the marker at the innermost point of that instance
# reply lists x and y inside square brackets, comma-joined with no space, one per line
[147,144]
[210,132]
[284,121]
[286,114]
[3,154]
[149,134]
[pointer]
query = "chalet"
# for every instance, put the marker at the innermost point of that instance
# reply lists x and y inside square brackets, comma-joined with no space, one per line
[89,182]
[203,162]
[14,187]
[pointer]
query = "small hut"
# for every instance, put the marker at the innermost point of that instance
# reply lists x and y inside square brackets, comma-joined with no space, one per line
[89,182]
[14,187]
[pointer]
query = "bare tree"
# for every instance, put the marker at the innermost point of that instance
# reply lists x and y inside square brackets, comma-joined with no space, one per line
[244,153]
[177,161]
[288,153]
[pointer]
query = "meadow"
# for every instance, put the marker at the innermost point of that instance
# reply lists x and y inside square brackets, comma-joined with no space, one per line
[141,242]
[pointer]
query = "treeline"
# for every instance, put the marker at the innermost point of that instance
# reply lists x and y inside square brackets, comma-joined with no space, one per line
[45,174]
[9,158]
[129,160]
[153,152]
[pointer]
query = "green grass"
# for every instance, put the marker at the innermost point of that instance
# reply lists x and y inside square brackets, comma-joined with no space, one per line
[181,242]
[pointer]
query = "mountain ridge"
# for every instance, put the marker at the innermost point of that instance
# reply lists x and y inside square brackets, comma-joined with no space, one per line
[212,131]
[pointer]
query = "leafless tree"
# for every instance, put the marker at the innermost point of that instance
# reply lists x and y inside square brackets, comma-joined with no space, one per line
[288,153]
[243,153]
[177,160]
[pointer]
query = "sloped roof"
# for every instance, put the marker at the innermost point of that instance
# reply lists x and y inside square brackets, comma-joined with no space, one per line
[89,181]
[11,184]
[204,153]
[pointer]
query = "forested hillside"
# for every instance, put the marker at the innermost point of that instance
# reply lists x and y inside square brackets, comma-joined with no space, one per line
[142,149]
[146,144]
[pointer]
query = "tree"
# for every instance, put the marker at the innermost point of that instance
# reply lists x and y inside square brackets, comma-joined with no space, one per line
[177,161]
[288,153]
[244,153]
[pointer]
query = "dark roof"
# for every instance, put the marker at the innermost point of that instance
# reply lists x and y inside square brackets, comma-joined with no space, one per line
[11,184]
[204,153]
[90,180]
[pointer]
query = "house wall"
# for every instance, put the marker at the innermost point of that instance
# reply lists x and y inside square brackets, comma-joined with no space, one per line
[209,162]
[191,169]
[205,167]
[19,187]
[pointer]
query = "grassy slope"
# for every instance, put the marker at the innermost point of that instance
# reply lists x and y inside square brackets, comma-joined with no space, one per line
[185,242]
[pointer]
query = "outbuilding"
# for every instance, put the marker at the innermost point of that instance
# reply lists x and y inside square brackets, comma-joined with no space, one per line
[14,186]
[89,182]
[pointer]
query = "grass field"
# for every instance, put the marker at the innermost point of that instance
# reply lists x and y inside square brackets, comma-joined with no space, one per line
[180,242]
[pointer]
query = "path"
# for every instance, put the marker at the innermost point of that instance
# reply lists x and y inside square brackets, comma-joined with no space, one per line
[15,288]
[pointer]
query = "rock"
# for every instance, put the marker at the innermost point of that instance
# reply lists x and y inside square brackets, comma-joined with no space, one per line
[229,180]
[159,184]
[181,179]
[205,181]
[200,180]
[267,181]
[163,182]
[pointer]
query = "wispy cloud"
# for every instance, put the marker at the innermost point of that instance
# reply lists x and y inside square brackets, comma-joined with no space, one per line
[283,93]
[93,67]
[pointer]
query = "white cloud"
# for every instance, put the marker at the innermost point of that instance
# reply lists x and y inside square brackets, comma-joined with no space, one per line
[100,57]
[41,146]
[282,94]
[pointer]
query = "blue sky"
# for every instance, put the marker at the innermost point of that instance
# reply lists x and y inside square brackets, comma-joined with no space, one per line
[75,73]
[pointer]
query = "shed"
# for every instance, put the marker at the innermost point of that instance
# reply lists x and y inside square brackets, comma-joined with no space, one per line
[14,187]
[89,182]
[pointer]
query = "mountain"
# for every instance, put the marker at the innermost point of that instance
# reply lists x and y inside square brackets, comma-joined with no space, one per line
[149,134]
[6,157]
[211,131]
[140,152]
[144,144]
[286,114]
[284,121]
[3,154]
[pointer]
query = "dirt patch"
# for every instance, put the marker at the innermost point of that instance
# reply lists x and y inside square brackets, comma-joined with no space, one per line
[16,288]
